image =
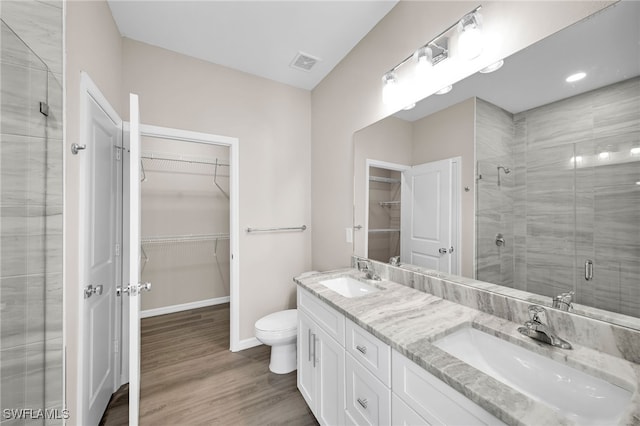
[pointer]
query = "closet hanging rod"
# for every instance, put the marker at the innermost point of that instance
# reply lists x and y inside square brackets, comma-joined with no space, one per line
[292,228]
[180,159]
[183,238]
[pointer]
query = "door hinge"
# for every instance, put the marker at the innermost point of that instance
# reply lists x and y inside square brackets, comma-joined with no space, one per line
[116,349]
[118,153]
[117,249]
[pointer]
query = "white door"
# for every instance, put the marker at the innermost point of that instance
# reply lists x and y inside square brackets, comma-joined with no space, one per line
[429,216]
[134,260]
[99,226]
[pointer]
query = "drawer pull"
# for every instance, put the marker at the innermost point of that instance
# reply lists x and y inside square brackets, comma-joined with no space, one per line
[362,349]
[362,402]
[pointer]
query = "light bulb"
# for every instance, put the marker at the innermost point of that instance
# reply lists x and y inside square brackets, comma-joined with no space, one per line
[390,89]
[635,150]
[470,38]
[444,90]
[604,155]
[423,58]
[576,77]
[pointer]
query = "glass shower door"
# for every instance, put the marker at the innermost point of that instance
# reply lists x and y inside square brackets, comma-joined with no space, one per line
[30,233]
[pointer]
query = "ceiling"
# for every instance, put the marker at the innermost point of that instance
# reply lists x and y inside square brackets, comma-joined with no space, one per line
[605,46]
[257,37]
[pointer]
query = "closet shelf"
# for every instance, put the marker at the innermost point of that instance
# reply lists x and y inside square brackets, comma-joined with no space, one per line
[382,230]
[389,203]
[182,159]
[383,179]
[170,239]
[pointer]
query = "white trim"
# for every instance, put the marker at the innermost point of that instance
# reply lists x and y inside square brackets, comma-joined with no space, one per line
[87,89]
[247,343]
[183,307]
[383,165]
[234,213]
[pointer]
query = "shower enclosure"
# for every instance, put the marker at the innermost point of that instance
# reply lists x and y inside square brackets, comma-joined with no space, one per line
[567,216]
[31,232]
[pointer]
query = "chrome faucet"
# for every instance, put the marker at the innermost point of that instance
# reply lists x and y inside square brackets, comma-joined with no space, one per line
[563,301]
[538,329]
[365,266]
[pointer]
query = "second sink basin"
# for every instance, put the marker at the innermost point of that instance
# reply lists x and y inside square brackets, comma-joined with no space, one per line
[349,287]
[585,399]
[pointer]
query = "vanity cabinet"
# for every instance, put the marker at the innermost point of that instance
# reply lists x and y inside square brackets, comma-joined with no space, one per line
[348,376]
[321,359]
[431,399]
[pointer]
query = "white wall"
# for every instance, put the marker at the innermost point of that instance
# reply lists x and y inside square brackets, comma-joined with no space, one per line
[272,122]
[94,45]
[350,97]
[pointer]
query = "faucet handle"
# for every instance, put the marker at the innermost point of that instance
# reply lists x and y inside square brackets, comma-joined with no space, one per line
[537,314]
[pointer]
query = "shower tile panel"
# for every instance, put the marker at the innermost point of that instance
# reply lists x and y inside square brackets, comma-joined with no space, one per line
[54,126]
[14,255]
[564,122]
[13,328]
[13,369]
[14,155]
[35,309]
[16,106]
[616,111]
[34,375]
[39,25]
[53,375]
[53,307]
[14,219]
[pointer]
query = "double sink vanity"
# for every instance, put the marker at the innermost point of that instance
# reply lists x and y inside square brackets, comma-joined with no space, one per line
[377,352]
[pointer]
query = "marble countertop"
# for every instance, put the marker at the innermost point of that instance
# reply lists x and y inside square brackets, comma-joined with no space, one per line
[409,320]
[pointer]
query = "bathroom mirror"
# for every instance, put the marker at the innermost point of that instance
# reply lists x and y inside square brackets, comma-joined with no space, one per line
[550,169]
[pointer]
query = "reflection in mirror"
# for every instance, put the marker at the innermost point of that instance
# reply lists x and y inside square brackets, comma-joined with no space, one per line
[550,168]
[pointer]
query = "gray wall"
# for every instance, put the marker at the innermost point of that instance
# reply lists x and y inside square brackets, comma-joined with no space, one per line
[568,203]
[31,208]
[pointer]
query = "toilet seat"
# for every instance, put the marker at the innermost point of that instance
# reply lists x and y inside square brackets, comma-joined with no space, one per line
[282,322]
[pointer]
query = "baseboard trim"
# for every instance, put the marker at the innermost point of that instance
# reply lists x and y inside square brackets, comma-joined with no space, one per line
[246,344]
[183,307]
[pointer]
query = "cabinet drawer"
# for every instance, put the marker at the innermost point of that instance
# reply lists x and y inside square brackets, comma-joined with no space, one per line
[331,321]
[370,351]
[433,399]
[367,399]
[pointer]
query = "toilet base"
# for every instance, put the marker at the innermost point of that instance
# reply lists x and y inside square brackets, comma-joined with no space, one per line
[283,359]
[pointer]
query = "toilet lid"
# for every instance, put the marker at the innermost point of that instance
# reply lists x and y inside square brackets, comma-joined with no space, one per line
[279,321]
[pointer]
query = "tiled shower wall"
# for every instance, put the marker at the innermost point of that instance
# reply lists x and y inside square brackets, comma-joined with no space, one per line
[573,198]
[31,209]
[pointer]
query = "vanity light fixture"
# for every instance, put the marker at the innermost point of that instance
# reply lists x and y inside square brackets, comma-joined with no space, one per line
[434,52]
[470,35]
[390,89]
[576,77]
[444,90]
[493,67]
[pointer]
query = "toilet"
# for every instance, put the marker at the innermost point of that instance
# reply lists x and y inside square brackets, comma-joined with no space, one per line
[279,330]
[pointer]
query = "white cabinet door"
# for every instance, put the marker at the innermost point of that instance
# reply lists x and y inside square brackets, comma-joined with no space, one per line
[306,370]
[330,379]
[403,415]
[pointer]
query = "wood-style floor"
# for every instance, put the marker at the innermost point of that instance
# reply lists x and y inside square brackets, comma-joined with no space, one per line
[189,377]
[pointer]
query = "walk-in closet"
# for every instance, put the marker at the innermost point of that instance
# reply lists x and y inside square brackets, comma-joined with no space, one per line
[384,213]
[185,224]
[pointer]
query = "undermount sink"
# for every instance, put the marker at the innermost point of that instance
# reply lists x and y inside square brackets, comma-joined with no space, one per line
[349,287]
[582,398]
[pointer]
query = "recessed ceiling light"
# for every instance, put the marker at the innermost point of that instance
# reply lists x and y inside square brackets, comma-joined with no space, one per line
[576,77]
[493,67]
[444,90]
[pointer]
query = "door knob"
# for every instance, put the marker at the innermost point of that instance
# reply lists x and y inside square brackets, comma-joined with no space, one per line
[90,290]
[443,250]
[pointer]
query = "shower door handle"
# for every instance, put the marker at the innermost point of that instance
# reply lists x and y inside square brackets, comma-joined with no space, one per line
[588,270]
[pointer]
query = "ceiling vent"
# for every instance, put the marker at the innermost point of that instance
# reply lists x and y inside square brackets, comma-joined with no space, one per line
[304,62]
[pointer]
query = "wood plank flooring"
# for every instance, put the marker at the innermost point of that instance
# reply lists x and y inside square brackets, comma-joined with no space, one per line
[189,377]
